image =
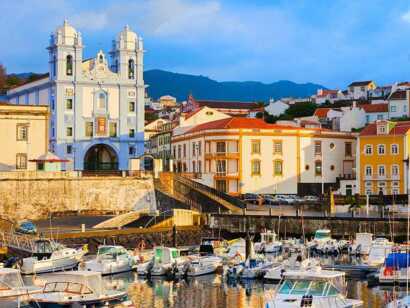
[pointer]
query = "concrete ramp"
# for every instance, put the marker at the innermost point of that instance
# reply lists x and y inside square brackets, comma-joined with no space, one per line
[119,221]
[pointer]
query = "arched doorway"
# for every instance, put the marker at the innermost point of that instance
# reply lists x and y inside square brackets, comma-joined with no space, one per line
[101,157]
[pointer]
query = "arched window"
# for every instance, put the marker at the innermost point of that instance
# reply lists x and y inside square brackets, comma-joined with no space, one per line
[101,59]
[101,101]
[54,66]
[131,66]
[69,65]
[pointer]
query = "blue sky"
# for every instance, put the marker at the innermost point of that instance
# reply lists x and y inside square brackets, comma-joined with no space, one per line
[326,42]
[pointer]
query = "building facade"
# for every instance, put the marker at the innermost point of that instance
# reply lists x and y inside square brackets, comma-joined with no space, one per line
[97,105]
[383,158]
[23,136]
[244,155]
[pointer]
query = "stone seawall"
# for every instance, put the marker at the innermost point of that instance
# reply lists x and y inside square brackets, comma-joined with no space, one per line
[36,195]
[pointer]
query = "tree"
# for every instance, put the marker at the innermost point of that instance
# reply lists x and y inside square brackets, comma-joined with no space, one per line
[259,115]
[302,109]
[3,78]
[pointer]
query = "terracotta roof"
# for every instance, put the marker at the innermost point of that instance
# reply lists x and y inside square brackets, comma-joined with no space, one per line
[400,128]
[360,83]
[328,92]
[49,157]
[321,112]
[227,104]
[238,122]
[398,95]
[404,83]
[190,114]
[374,108]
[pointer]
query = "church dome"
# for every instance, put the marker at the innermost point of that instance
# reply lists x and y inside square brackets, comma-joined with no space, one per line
[127,39]
[67,35]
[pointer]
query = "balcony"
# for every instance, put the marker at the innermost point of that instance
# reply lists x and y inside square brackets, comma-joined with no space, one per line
[222,155]
[226,175]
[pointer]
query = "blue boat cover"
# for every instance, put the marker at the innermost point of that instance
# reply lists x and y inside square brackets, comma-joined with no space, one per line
[398,260]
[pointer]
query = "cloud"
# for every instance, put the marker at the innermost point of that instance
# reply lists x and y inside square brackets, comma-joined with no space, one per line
[406,17]
[90,20]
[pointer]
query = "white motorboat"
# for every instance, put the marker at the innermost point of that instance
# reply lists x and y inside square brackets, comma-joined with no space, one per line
[400,303]
[379,250]
[294,263]
[166,261]
[111,260]
[324,244]
[205,263]
[255,268]
[314,288]
[362,244]
[396,269]
[81,288]
[268,243]
[13,291]
[55,258]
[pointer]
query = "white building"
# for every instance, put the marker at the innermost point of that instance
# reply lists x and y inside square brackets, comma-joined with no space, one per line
[399,102]
[244,155]
[375,112]
[97,106]
[361,89]
[276,108]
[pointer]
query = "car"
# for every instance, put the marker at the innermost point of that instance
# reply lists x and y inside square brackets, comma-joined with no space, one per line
[27,227]
[311,199]
[252,198]
[271,200]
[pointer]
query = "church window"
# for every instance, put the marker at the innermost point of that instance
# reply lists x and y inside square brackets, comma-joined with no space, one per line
[101,101]
[69,149]
[131,66]
[131,150]
[54,65]
[101,59]
[69,131]
[101,126]
[113,129]
[69,104]
[69,65]
[131,133]
[88,129]
[131,107]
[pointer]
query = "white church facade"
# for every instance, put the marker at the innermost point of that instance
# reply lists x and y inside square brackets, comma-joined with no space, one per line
[96,105]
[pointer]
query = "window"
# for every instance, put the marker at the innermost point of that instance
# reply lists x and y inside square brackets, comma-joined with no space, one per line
[220,185]
[22,132]
[69,149]
[221,167]
[199,166]
[332,167]
[184,150]
[69,131]
[395,149]
[404,108]
[277,147]
[101,101]
[89,130]
[307,167]
[331,145]
[395,170]
[69,65]
[395,191]
[174,150]
[131,150]
[40,166]
[220,147]
[381,170]
[199,148]
[393,108]
[21,161]
[113,129]
[348,149]
[368,171]
[318,147]
[318,168]
[54,70]
[179,151]
[367,118]
[278,167]
[193,166]
[380,149]
[52,104]
[256,167]
[193,148]
[131,106]
[131,69]
[256,147]
[368,149]
[131,133]
[69,104]
[379,117]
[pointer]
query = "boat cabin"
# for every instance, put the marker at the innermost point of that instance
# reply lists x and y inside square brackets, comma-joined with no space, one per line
[111,251]
[268,237]
[165,255]
[323,234]
[10,279]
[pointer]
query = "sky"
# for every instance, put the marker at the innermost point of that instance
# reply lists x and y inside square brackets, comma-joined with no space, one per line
[327,42]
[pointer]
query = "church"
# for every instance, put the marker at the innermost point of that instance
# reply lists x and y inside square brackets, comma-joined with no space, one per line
[96,105]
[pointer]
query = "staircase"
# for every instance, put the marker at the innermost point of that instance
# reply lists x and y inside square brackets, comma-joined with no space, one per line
[118,221]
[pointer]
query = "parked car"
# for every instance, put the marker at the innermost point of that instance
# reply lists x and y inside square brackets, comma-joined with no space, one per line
[252,198]
[311,199]
[27,227]
[270,199]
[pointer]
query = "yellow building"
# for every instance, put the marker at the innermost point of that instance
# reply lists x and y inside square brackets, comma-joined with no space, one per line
[383,148]
[23,136]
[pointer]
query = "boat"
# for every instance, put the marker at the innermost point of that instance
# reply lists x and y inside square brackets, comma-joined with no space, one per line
[110,260]
[82,288]
[166,261]
[322,243]
[378,252]
[205,263]
[312,288]
[396,269]
[268,243]
[295,262]
[362,244]
[254,268]
[400,303]
[13,291]
[50,257]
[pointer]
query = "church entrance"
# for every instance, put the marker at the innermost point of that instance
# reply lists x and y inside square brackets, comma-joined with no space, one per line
[101,157]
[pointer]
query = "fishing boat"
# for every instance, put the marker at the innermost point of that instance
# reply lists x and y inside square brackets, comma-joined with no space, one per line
[313,288]
[82,288]
[111,260]
[51,257]
[323,243]
[268,243]
[362,244]
[13,291]
[396,269]
[205,263]
[293,263]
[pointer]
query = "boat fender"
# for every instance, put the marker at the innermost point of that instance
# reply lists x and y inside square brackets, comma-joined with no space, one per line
[388,271]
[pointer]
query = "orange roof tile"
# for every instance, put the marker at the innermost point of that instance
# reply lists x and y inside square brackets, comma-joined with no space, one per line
[400,128]
[321,112]
[374,108]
